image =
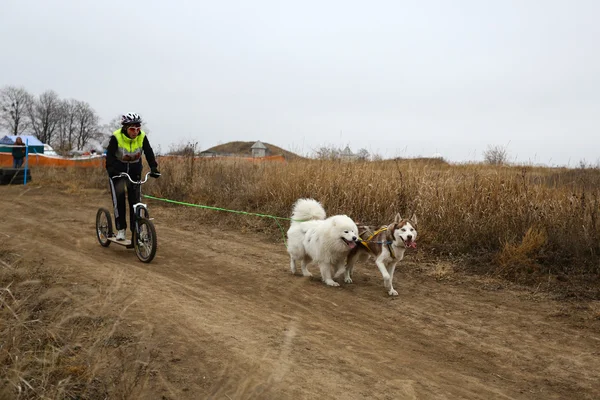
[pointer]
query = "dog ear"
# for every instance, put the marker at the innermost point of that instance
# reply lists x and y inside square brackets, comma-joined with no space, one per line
[414,218]
[398,219]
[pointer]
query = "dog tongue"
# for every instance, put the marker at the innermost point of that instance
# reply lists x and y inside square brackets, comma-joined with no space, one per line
[351,244]
[412,244]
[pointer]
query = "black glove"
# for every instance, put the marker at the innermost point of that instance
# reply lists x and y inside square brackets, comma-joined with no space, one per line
[154,173]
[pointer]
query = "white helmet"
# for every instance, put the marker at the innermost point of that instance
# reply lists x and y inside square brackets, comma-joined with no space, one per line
[130,119]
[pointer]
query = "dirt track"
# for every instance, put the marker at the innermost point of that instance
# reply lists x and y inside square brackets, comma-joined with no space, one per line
[228,320]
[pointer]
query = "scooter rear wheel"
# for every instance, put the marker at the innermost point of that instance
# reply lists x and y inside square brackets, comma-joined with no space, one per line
[103,227]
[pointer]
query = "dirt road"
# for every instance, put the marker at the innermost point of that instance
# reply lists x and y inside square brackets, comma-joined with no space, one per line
[225,319]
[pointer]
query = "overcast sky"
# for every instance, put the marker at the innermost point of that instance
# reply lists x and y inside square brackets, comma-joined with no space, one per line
[399,78]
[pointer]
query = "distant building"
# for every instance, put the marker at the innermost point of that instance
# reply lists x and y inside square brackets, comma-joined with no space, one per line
[258,149]
[348,155]
[208,153]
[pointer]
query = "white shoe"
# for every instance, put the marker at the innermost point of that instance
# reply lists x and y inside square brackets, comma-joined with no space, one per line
[121,234]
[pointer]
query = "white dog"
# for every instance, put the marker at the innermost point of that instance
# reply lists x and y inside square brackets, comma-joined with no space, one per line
[387,245]
[326,242]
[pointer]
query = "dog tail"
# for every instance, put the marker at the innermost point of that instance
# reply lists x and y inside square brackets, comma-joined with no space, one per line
[306,210]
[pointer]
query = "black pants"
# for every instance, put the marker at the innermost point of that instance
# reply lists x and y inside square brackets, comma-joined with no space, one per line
[117,188]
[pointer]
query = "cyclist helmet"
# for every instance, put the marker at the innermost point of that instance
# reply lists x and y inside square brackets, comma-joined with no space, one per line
[130,119]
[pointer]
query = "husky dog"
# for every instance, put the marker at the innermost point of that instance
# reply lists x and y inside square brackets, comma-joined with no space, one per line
[386,245]
[314,239]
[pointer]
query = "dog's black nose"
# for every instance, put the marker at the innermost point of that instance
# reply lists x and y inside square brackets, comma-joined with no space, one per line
[354,238]
[409,237]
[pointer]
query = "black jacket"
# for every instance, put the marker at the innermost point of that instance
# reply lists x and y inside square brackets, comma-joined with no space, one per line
[114,166]
[18,152]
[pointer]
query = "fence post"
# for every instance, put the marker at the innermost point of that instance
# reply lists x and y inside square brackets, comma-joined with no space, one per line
[26,161]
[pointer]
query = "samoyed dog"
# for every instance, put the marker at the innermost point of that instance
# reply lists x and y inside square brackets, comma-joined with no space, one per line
[313,238]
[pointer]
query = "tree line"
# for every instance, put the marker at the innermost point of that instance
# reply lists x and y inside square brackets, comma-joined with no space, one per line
[65,124]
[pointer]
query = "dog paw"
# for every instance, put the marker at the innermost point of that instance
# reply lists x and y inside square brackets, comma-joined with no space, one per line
[307,273]
[348,280]
[331,282]
[392,292]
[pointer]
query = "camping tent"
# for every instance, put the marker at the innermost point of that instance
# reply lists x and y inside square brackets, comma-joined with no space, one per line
[35,146]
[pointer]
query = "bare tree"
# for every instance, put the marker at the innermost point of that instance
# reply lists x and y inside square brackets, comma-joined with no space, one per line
[189,149]
[496,155]
[376,157]
[363,154]
[14,103]
[44,115]
[115,123]
[105,131]
[66,127]
[111,126]
[86,121]
[327,153]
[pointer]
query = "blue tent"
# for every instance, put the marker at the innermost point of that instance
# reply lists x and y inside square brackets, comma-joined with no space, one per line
[35,146]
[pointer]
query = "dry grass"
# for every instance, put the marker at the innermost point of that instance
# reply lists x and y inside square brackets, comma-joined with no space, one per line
[595,310]
[62,342]
[483,212]
[441,271]
[518,259]
[58,341]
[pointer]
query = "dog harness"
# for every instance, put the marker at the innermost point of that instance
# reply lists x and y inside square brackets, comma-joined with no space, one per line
[387,242]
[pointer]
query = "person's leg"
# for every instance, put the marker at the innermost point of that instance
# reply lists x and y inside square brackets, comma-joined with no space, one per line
[133,195]
[117,189]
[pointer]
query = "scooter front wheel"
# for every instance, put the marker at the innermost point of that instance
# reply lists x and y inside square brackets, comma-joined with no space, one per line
[144,240]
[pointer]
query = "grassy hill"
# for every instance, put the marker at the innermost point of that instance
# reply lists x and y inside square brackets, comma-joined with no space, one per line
[244,148]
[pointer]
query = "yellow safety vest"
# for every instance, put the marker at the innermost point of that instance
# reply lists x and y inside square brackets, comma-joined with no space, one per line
[129,150]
